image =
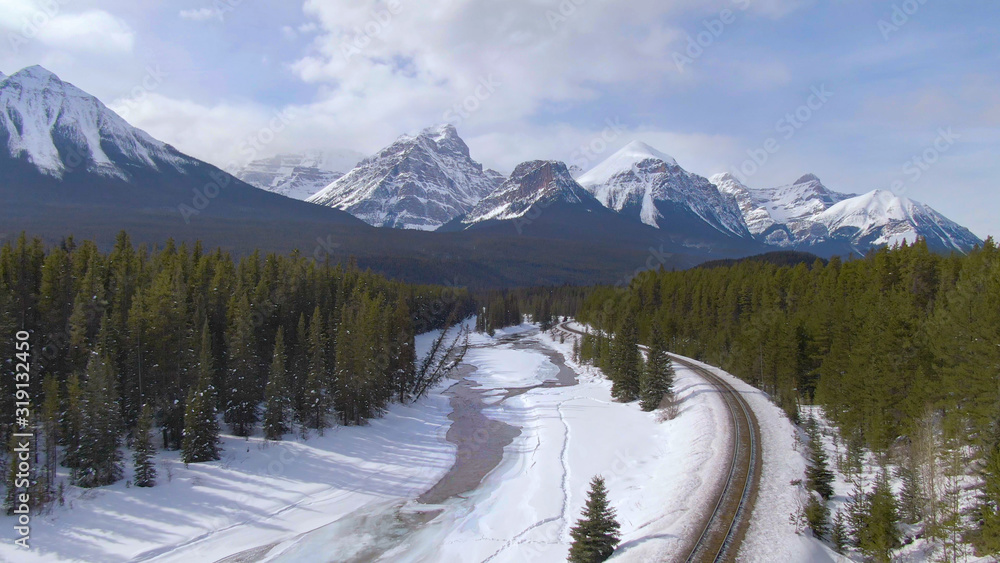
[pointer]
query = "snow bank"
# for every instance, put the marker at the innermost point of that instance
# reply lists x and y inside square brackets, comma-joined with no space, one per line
[258,493]
[660,475]
[772,536]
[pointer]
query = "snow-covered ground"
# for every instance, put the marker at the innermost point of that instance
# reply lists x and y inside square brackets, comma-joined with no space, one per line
[352,491]
[915,549]
[772,535]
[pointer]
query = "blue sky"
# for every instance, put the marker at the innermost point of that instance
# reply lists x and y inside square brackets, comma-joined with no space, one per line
[913,101]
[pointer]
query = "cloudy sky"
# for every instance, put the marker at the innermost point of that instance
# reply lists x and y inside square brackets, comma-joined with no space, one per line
[894,94]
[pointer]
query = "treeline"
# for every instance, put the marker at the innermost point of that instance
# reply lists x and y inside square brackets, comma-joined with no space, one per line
[139,340]
[500,309]
[899,348]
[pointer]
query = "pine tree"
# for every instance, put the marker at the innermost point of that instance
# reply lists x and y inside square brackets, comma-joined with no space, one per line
[658,375]
[278,404]
[242,382]
[910,497]
[316,395]
[818,474]
[818,516]
[142,458]
[50,427]
[99,461]
[72,421]
[596,534]
[874,520]
[201,426]
[987,535]
[838,533]
[626,361]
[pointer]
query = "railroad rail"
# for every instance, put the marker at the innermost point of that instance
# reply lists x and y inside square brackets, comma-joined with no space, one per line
[724,527]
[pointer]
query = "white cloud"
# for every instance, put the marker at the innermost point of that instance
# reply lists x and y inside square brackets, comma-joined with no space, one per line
[54,25]
[201,14]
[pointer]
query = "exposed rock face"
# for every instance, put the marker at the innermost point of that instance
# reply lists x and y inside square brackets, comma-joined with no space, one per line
[418,182]
[649,185]
[533,183]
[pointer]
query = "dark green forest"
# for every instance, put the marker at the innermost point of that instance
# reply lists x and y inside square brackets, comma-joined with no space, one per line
[900,348]
[141,340]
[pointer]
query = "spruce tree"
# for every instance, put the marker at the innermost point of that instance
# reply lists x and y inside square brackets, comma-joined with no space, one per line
[72,421]
[658,375]
[50,427]
[987,534]
[278,404]
[596,534]
[98,457]
[626,361]
[874,521]
[316,396]
[838,533]
[142,458]
[242,379]
[818,474]
[201,426]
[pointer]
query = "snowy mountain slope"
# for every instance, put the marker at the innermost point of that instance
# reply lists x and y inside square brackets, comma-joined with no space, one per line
[533,183]
[299,175]
[806,215]
[418,182]
[496,177]
[806,197]
[881,217]
[55,126]
[644,183]
[71,166]
[759,222]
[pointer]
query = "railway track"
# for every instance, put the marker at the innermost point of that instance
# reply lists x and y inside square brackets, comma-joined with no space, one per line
[724,526]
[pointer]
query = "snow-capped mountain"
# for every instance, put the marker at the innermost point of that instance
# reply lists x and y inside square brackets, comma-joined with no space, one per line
[782,216]
[69,165]
[56,127]
[644,183]
[881,217]
[417,182]
[533,184]
[299,175]
[807,215]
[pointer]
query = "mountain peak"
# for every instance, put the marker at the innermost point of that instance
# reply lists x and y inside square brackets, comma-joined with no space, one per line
[440,131]
[51,123]
[726,178]
[639,151]
[806,179]
[418,182]
[535,182]
[35,75]
[624,161]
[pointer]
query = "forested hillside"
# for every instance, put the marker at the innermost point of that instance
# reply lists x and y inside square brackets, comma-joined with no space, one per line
[901,349]
[138,341]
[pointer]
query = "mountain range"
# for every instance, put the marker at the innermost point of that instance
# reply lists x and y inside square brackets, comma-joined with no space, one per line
[298,175]
[72,166]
